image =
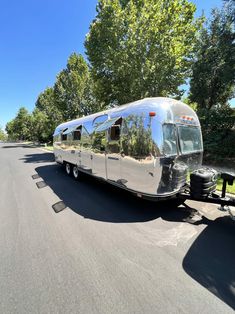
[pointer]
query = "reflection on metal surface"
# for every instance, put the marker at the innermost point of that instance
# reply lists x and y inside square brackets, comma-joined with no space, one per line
[136,137]
[131,147]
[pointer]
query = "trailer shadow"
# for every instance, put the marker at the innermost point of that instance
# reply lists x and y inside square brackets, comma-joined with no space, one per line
[94,199]
[211,259]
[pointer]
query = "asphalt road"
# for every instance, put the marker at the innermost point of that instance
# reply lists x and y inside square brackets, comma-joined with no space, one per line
[107,252]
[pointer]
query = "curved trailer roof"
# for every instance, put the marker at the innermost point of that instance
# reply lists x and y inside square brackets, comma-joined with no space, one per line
[167,110]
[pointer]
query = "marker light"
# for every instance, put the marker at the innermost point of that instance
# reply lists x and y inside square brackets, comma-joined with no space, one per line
[186,120]
[152,113]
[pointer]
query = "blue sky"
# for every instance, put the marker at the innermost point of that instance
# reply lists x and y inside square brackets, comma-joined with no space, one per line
[36,38]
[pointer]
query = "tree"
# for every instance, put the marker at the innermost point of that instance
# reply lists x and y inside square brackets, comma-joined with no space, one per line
[46,116]
[19,128]
[140,48]
[231,8]
[218,131]
[2,135]
[213,73]
[72,90]
[10,130]
[41,131]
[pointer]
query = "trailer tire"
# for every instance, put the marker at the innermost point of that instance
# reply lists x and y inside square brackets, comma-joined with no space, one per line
[68,168]
[76,173]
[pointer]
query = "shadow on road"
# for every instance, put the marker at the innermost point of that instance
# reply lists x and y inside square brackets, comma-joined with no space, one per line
[20,146]
[98,200]
[38,158]
[211,259]
[11,146]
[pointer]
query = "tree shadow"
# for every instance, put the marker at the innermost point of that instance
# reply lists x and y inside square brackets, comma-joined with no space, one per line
[10,146]
[94,199]
[38,158]
[20,146]
[211,259]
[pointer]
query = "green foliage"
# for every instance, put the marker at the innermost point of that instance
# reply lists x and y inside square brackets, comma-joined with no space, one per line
[20,127]
[3,136]
[48,114]
[140,48]
[72,96]
[230,188]
[40,127]
[213,78]
[191,104]
[73,89]
[218,131]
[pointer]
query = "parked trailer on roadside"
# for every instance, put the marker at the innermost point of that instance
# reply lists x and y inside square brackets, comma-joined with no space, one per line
[148,147]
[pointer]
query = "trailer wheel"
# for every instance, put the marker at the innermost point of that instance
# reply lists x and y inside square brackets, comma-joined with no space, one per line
[76,173]
[68,168]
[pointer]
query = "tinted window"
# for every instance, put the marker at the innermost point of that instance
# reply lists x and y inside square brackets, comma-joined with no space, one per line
[169,139]
[77,134]
[63,137]
[115,133]
[190,139]
[115,130]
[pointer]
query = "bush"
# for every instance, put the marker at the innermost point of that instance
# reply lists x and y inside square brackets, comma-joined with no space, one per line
[218,128]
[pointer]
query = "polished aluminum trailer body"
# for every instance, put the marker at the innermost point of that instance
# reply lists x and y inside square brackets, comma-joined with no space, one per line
[147,146]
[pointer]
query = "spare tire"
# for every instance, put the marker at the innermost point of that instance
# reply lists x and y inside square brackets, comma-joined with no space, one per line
[203,182]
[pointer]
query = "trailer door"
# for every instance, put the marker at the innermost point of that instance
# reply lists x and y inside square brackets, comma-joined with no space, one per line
[113,156]
[98,154]
[137,155]
[75,152]
[86,153]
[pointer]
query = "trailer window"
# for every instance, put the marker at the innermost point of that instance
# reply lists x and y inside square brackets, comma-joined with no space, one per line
[190,139]
[85,138]
[169,139]
[64,137]
[114,133]
[77,134]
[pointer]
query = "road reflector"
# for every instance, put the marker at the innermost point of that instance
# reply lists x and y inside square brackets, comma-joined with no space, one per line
[41,184]
[36,176]
[59,206]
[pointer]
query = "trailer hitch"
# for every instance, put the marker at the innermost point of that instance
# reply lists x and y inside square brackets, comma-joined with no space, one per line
[224,201]
[227,179]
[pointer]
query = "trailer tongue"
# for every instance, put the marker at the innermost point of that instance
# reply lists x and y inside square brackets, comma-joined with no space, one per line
[202,188]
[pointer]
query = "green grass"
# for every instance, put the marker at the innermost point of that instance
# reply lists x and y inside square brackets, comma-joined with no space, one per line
[230,188]
[49,148]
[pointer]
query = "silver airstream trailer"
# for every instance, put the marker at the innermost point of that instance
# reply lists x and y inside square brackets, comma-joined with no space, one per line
[146,147]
